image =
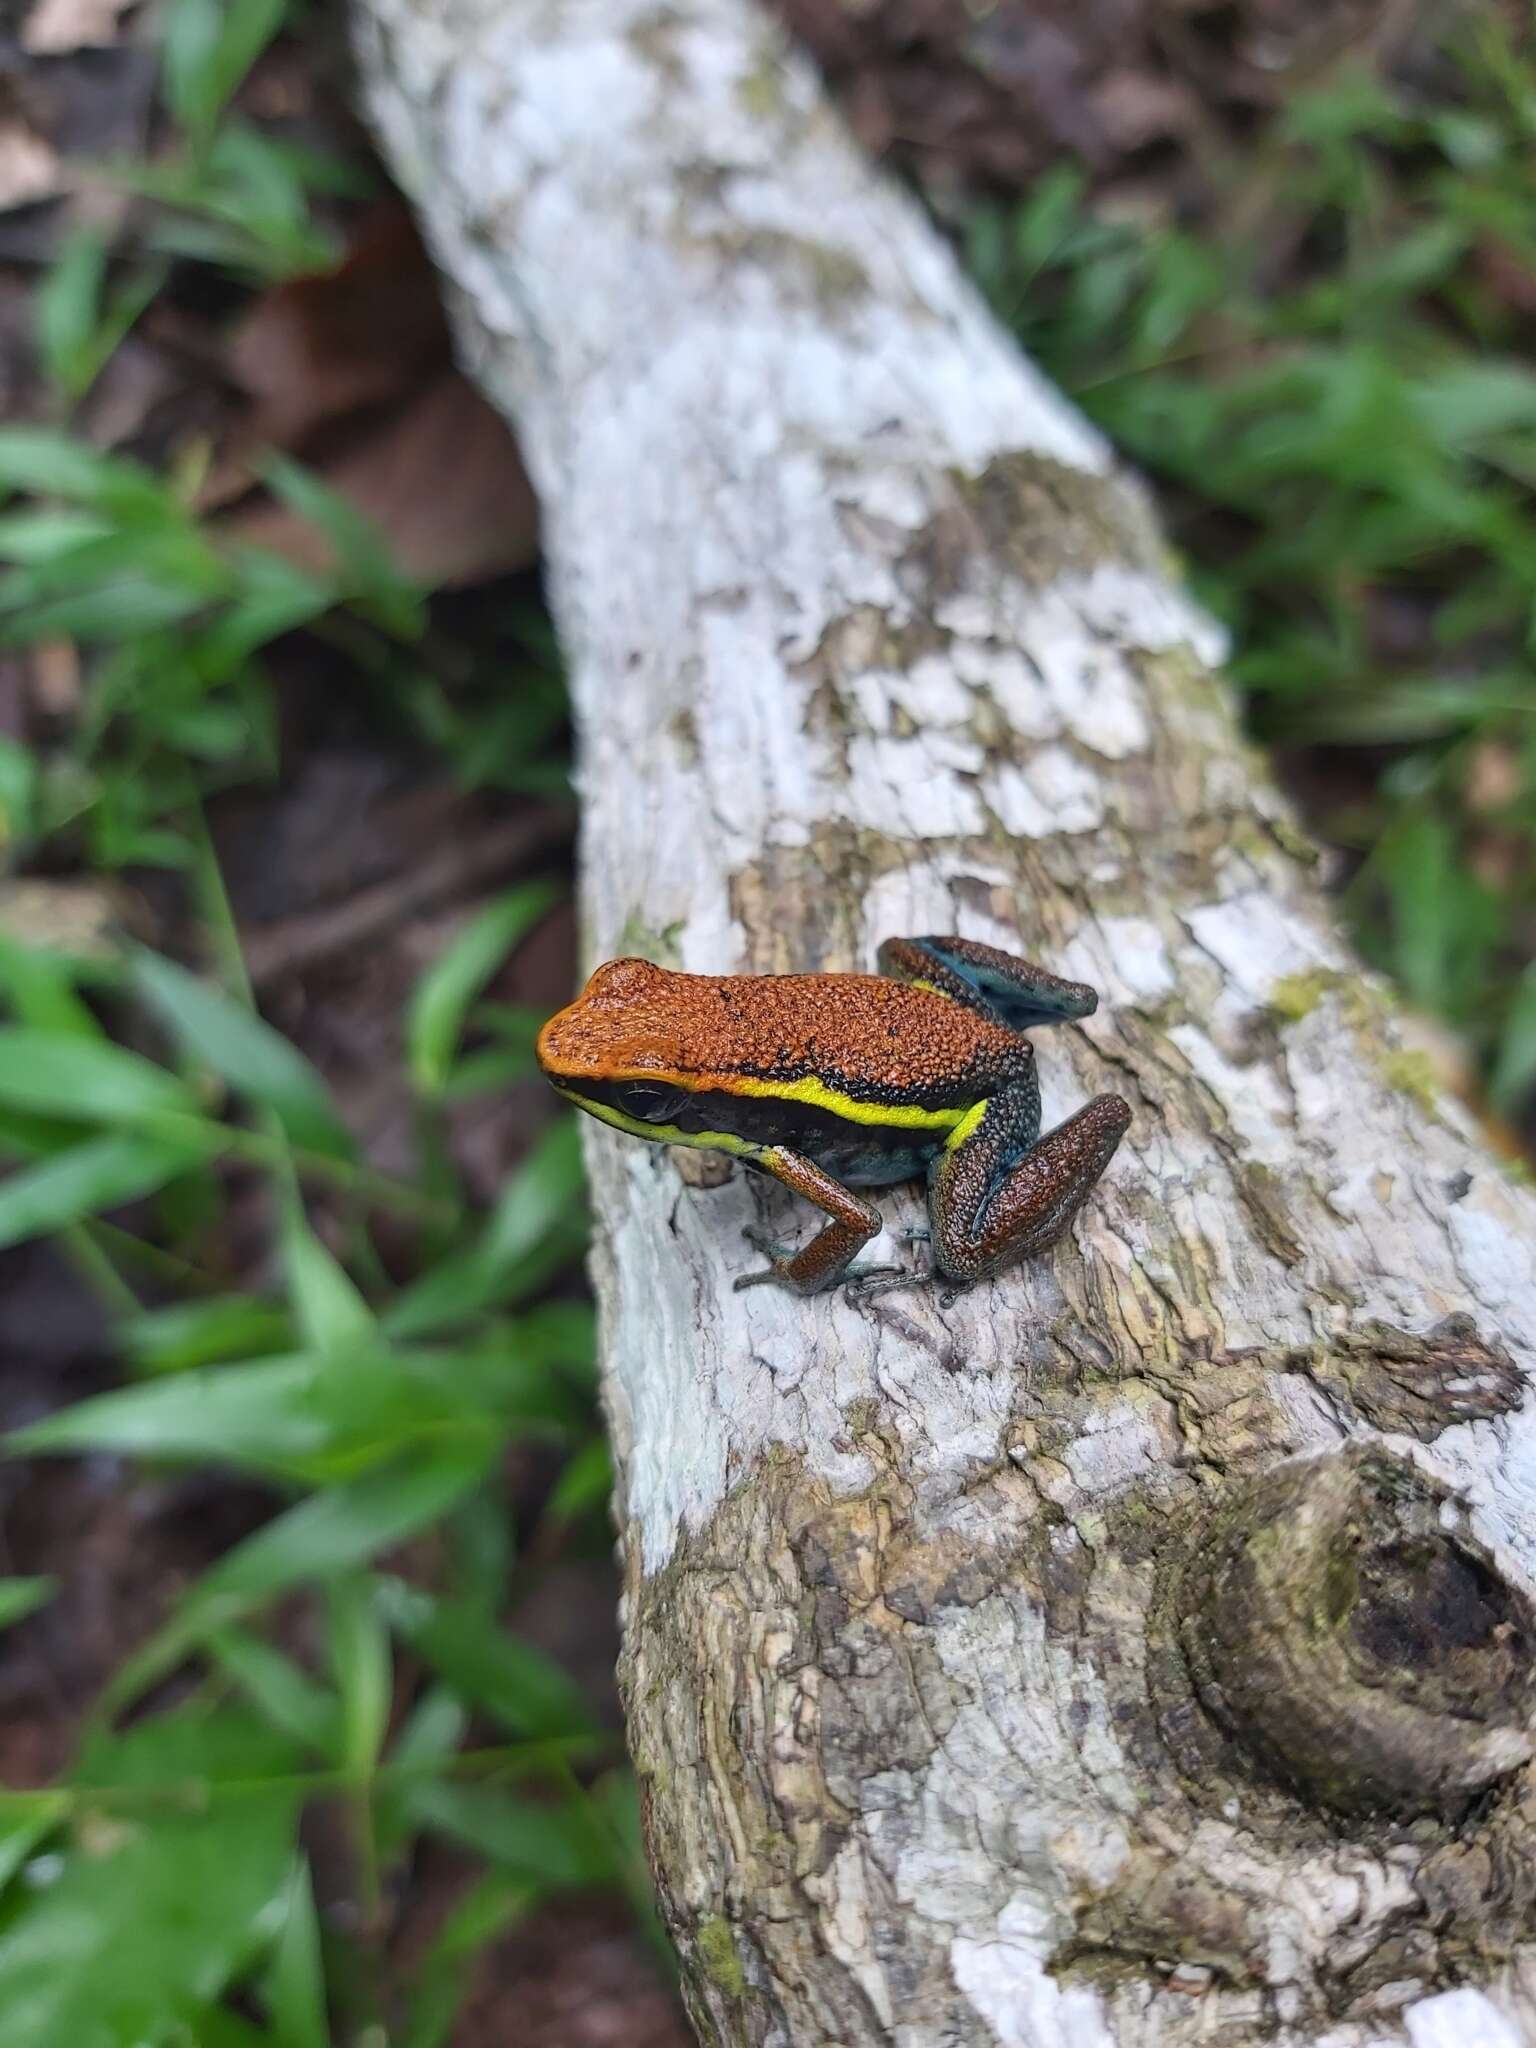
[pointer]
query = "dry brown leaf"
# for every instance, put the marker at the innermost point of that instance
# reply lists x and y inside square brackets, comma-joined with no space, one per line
[438,475]
[1508,274]
[29,169]
[352,372]
[1494,777]
[55,666]
[1135,107]
[85,918]
[56,27]
[317,348]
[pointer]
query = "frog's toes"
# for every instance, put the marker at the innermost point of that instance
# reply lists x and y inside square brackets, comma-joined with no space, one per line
[761,1241]
[762,1278]
[776,1275]
[867,1281]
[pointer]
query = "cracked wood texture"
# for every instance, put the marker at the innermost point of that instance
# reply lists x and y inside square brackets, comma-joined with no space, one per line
[1137,1649]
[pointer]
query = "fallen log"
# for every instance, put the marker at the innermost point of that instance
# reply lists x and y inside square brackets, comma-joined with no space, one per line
[1137,1648]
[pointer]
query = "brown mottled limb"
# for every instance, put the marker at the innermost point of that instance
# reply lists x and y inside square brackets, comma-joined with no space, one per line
[993,1208]
[955,1633]
[824,1261]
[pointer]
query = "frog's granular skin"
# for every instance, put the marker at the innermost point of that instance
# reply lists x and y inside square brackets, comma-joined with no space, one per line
[1008,1193]
[873,1039]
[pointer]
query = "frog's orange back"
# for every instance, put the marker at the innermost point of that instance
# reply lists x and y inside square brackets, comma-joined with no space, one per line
[875,1038]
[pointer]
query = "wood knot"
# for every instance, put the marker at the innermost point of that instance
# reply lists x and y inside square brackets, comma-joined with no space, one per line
[1418,1384]
[1339,1621]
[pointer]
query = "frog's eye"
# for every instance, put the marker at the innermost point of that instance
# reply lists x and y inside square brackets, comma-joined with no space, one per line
[652,1101]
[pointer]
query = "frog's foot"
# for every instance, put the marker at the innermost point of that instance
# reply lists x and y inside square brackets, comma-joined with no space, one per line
[766,1276]
[865,1282]
[778,1256]
[762,1241]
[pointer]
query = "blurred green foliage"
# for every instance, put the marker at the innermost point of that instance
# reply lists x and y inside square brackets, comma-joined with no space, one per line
[1330,379]
[161,1894]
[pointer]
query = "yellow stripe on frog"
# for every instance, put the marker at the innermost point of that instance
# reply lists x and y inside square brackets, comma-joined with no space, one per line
[663,1134]
[906,1116]
[966,1126]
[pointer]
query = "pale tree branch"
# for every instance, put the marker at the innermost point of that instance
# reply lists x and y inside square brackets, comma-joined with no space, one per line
[1138,1648]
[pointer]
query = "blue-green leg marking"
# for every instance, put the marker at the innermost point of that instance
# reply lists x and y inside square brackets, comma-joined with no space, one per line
[1013,991]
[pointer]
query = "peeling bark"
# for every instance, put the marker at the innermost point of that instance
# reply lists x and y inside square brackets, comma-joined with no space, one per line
[1136,1649]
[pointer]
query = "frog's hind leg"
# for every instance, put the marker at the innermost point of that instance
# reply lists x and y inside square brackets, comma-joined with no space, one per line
[1014,991]
[826,1259]
[998,1197]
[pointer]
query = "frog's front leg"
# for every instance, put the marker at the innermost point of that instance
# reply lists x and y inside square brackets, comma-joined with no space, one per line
[999,985]
[996,1197]
[824,1261]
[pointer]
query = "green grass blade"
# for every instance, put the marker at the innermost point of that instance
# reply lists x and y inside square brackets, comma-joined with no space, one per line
[243,1050]
[330,1312]
[89,1178]
[158,1901]
[286,1697]
[548,1847]
[523,1689]
[363,1669]
[446,1974]
[442,997]
[332,1531]
[86,1079]
[21,1597]
[296,1982]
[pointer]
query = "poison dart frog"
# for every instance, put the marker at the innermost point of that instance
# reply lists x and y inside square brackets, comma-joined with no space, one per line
[835,1081]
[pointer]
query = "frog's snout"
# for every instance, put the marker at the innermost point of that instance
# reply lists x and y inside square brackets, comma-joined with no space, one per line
[551,1048]
[590,1041]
